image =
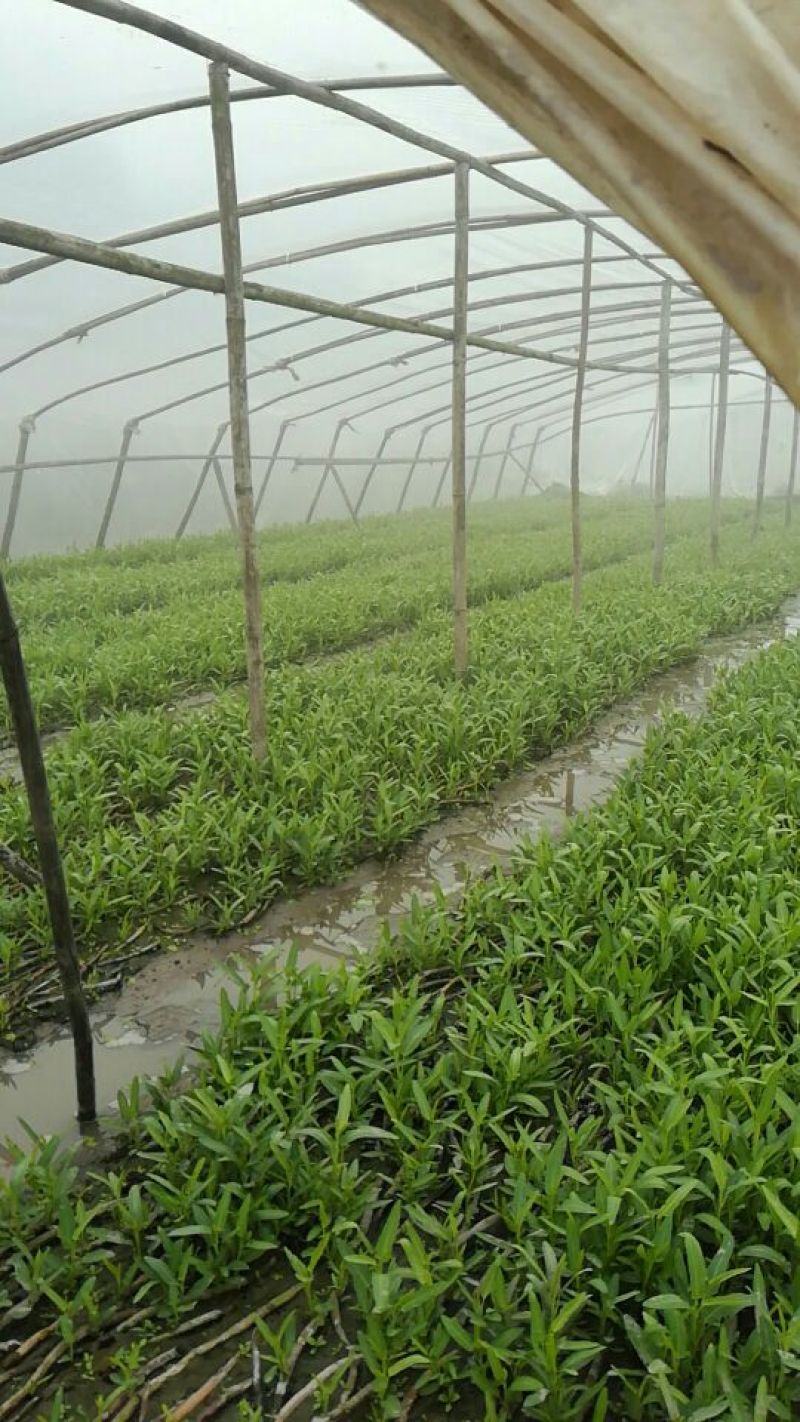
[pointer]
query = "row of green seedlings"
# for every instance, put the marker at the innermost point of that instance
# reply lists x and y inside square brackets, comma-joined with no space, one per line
[168,825]
[536,1159]
[103,663]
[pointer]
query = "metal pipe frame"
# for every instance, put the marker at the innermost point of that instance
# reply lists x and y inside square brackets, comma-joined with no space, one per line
[332,96]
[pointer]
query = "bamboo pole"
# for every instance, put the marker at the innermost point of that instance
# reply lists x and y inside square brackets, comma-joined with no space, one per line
[97,254]
[577,413]
[128,432]
[237,370]
[719,441]
[711,405]
[29,746]
[787,516]
[25,431]
[662,443]
[197,490]
[460,648]
[761,478]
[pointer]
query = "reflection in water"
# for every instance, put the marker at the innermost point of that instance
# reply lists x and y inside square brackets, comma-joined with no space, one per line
[174,998]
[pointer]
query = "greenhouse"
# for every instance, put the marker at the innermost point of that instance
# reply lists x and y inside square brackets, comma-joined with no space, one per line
[399,589]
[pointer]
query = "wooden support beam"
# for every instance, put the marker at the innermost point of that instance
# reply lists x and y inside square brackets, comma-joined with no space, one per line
[577,415]
[719,440]
[219,90]
[787,514]
[29,746]
[662,441]
[763,451]
[460,277]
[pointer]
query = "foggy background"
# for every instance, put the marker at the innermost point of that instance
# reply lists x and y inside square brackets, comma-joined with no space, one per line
[60,66]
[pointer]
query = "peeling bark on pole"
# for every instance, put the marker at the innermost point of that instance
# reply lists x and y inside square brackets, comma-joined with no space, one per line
[577,413]
[787,515]
[460,278]
[662,442]
[35,776]
[237,375]
[127,435]
[719,441]
[762,456]
[25,430]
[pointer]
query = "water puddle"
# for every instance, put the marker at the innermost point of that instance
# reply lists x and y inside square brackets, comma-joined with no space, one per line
[173,999]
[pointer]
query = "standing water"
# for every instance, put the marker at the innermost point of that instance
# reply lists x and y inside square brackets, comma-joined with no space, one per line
[167,1006]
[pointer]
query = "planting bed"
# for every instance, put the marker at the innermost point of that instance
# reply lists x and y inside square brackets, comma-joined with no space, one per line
[536,1158]
[168,825]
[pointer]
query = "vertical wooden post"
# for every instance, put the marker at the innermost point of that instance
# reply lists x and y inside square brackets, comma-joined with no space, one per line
[662,443]
[25,431]
[459,410]
[719,441]
[762,456]
[410,474]
[219,91]
[128,432]
[35,776]
[203,475]
[787,513]
[271,464]
[503,462]
[529,479]
[711,433]
[577,414]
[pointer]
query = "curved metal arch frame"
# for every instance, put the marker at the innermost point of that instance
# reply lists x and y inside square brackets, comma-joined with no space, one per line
[330,95]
